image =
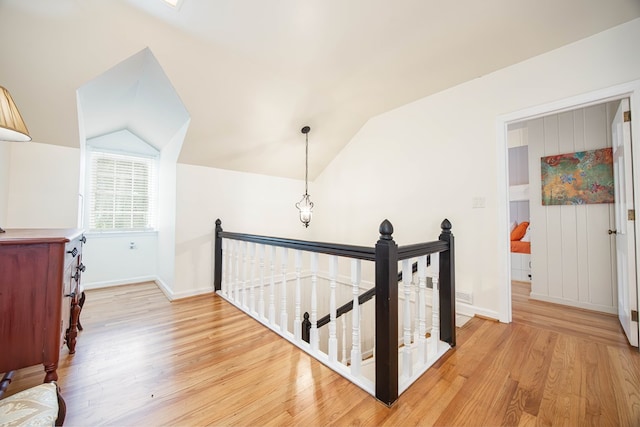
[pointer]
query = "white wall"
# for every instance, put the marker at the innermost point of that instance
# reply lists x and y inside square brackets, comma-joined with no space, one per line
[43,193]
[167,196]
[43,190]
[5,156]
[245,203]
[446,150]
[119,259]
[42,185]
[116,258]
[444,146]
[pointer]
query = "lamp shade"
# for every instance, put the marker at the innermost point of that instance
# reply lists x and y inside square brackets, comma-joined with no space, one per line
[12,127]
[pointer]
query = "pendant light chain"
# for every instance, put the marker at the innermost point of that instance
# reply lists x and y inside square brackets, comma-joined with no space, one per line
[306,167]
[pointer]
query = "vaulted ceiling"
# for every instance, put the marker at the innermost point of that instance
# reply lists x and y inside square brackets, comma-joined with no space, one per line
[251,73]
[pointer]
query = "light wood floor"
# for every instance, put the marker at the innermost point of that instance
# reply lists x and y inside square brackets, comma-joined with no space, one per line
[142,361]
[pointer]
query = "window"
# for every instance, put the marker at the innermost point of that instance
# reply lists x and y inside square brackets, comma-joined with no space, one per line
[122,192]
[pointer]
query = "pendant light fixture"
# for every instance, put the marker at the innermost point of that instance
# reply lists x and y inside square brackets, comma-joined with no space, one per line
[305,205]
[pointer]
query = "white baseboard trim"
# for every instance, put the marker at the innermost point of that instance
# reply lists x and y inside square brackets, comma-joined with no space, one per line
[122,282]
[171,296]
[192,293]
[577,304]
[462,308]
[164,288]
[472,310]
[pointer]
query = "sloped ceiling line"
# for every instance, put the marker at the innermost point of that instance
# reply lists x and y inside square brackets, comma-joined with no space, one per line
[134,95]
[251,73]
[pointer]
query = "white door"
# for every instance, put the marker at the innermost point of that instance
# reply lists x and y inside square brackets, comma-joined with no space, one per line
[625,225]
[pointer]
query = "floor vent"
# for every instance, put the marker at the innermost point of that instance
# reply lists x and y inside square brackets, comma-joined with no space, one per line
[464,297]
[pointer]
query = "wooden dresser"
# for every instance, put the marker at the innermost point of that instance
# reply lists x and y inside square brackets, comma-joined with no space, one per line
[40,272]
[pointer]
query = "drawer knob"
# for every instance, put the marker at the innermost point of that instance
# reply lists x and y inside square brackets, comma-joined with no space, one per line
[76,276]
[73,252]
[83,239]
[82,267]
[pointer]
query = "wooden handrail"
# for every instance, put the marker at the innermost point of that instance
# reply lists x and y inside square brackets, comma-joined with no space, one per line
[419,249]
[349,251]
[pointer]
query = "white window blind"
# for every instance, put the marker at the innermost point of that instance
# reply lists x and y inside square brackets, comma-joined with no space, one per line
[122,192]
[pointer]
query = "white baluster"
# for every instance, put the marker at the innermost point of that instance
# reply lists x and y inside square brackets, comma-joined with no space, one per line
[230,247]
[416,299]
[313,334]
[261,293]
[252,281]
[344,338]
[407,364]
[245,280]
[236,285]
[297,321]
[333,340]
[422,310]
[272,283]
[434,269]
[225,270]
[356,351]
[283,288]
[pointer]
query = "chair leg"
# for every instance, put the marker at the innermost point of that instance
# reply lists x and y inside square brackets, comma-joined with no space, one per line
[62,408]
[6,380]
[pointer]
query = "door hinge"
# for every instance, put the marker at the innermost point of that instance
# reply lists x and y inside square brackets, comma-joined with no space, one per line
[627,116]
[631,214]
[634,315]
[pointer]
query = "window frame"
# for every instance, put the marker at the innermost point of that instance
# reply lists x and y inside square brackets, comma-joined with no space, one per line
[153,185]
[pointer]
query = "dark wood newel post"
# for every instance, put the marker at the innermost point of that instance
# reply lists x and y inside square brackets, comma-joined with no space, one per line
[386,351]
[447,287]
[217,257]
[306,328]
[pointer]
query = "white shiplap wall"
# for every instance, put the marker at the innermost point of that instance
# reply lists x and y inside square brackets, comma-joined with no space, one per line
[573,256]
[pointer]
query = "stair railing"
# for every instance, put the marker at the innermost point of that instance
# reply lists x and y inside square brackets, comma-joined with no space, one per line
[347,307]
[268,293]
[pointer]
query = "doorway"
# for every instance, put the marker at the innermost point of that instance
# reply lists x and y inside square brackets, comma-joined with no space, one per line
[566,249]
[631,91]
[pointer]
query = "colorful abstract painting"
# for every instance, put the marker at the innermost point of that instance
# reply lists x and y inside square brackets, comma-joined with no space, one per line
[578,178]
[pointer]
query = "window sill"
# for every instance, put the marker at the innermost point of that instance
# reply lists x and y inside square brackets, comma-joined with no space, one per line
[107,234]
